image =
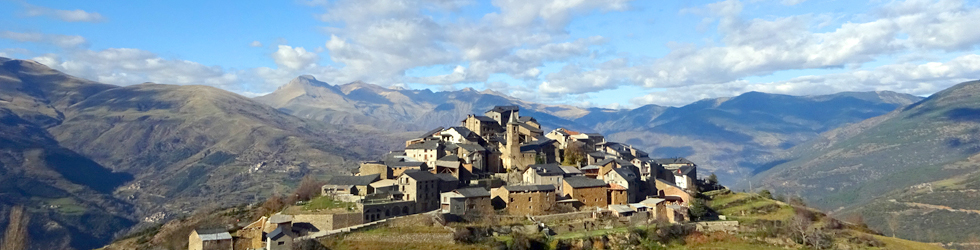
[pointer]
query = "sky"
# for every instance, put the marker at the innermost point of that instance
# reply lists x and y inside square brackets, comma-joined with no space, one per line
[587,53]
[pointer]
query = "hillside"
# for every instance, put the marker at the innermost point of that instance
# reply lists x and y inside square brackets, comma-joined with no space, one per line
[911,173]
[89,160]
[733,137]
[764,224]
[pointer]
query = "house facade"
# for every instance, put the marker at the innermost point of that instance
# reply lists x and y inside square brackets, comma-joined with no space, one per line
[210,239]
[421,187]
[588,191]
[525,199]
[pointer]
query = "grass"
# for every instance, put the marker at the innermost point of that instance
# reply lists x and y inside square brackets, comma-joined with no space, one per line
[599,232]
[323,204]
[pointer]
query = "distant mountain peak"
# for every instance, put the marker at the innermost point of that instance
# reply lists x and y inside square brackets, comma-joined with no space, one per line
[307,80]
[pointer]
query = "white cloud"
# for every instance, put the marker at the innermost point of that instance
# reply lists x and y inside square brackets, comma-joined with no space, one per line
[294,58]
[63,15]
[379,40]
[916,79]
[63,41]
[760,47]
[126,66]
[255,44]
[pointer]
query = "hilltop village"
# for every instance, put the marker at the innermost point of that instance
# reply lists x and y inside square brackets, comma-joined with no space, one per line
[496,163]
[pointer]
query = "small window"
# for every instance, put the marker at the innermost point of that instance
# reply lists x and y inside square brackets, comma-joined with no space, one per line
[280,243]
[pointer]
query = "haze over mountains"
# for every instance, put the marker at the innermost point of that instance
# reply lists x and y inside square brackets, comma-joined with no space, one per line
[731,136]
[914,173]
[89,160]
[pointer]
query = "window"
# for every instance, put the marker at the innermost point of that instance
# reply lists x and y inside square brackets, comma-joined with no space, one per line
[280,243]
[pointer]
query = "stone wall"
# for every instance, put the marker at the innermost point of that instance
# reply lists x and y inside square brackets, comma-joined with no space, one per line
[324,222]
[384,210]
[564,217]
[712,226]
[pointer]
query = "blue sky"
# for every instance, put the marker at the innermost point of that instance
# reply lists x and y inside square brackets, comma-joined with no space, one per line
[611,53]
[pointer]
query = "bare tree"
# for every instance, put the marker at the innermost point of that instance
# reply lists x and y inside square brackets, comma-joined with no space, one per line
[308,189]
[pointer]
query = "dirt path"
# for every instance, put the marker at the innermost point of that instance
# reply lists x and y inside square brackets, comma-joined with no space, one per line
[930,206]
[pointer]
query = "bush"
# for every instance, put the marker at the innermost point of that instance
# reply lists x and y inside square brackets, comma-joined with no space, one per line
[669,233]
[765,193]
[697,209]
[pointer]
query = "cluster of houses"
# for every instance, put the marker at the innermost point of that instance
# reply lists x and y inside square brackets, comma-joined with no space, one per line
[504,162]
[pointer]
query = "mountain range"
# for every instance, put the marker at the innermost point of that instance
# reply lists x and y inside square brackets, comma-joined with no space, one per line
[913,173]
[734,137]
[88,161]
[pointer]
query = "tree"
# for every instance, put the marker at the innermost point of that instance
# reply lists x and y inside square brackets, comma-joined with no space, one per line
[765,193]
[308,189]
[574,153]
[697,209]
[713,180]
[274,204]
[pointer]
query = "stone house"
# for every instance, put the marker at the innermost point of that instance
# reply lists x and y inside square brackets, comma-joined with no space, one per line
[621,210]
[628,180]
[618,195]
[657,208]
[588,191]
[541,174]
[684,177]
[475,155]
[671,164]
[425,137]
[428,151]
[421,187]
[352,185]
[668,191]
[376,167]
[282,237]
[591,171]
[210,239]
[469,199]
[460,135]
[503,114]
[525,199]
[447,182]
[482,125]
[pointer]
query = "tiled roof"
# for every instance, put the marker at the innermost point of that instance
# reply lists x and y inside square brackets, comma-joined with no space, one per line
[522,188]
[430,133]
[472,147]
[432,144]
[571,170]
[677,160]
[614,186]
[584,182]
[421,176]
[354,180]
[546,169]
[626,173]
[446,177]
[473,192]
[213,234]
[621,208]
[501,109]
[280,218]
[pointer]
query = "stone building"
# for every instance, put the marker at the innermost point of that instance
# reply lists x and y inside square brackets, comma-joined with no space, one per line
[474,200]
[589,192]
[525,199]
[421,187]
[210,239]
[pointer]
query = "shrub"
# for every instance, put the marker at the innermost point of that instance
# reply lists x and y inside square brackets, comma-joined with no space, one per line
[765,193]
